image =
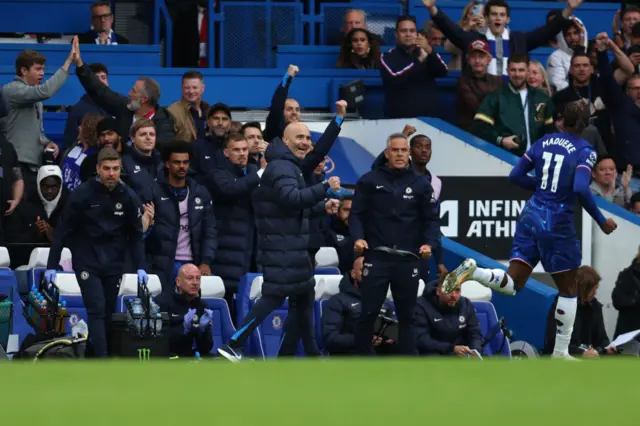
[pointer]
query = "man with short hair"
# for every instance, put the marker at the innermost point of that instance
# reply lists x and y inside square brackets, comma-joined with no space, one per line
[281,204]
[629,16]
[408,74]
[190,112]
[142,102]
[102,26]
[474,82]
[84,106]
[190,321]
[353,18]
[142,163]
[207,152]
[24,124]
[604,181]
[503,42]
[252,132]
[232,183]
[516,115]
[395,224]
[445,322]
[101,221]
[420,156]
[184,229]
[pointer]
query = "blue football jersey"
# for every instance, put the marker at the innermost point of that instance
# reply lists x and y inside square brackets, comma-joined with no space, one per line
[555,159]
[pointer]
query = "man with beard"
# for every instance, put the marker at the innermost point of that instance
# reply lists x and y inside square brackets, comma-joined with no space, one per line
[184,229]
[445,321]
[252,133]
[108,137]
[207,152]
[100,223]
[516,115]
[142,101]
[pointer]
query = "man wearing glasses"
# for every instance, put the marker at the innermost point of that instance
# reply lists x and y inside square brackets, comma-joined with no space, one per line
[101,26]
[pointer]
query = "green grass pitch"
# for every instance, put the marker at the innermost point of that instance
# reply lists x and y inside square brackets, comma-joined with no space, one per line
[390,392]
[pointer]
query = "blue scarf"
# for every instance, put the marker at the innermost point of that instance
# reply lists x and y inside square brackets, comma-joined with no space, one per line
[71,166]
[110,40]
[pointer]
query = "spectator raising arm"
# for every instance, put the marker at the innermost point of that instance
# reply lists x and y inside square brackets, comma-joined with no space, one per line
[105,97]
[325,143]
[273,125]
[20,94]
[539,37]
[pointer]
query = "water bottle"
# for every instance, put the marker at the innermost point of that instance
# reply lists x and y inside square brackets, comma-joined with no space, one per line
[62,313]
[158,322]
[137,309]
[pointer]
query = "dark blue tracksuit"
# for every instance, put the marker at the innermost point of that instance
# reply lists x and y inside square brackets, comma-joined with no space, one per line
[162,241]
[339,319]
[439,328]
[98,226]
[337,235]
[140,172]
[206,155]
[392,208]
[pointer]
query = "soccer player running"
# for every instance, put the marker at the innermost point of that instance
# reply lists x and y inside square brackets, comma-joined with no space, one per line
[545,230]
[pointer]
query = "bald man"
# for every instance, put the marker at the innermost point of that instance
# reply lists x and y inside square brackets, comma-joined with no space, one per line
[282,203]
[190,320]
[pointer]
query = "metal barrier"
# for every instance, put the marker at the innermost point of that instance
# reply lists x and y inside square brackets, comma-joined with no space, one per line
[160,8]
[250,32]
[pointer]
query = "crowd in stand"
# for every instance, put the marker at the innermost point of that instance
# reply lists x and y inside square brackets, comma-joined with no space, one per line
[209,166]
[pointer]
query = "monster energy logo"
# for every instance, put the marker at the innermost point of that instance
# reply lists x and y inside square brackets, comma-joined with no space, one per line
[144,354]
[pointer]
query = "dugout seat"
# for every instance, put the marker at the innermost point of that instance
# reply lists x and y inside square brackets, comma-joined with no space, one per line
[39,257]
[326,286]
[488,319]
[475,291]
[129,289]
[327,257]
[9,286]
[212,293]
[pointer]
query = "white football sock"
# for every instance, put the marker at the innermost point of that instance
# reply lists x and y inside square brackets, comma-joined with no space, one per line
[493,278]
[565,316]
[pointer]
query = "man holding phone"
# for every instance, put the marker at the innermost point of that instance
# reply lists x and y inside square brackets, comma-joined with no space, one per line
[445,322]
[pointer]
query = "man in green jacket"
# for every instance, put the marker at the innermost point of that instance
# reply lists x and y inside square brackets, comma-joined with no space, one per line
[515,115]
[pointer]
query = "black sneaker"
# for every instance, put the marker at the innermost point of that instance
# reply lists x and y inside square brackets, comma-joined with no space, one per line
[229,353]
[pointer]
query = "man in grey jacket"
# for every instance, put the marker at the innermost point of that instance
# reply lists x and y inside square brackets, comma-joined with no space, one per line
[24,124]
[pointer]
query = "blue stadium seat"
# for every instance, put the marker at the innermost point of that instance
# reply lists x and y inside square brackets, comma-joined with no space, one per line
[242,297]
[8,286]
[326,286]
[488,319]
[212,293]
[330,270]
[38,262]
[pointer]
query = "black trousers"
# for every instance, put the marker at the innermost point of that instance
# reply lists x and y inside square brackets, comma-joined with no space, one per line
[99,294]
[403,274]
[298,325]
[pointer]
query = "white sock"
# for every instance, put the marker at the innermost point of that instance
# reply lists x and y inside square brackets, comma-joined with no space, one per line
[565,316]
[493,278]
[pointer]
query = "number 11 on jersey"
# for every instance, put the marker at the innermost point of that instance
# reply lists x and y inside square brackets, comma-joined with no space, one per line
[548,158]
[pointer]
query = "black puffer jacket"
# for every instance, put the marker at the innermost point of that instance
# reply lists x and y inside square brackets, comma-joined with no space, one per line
[282,203]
